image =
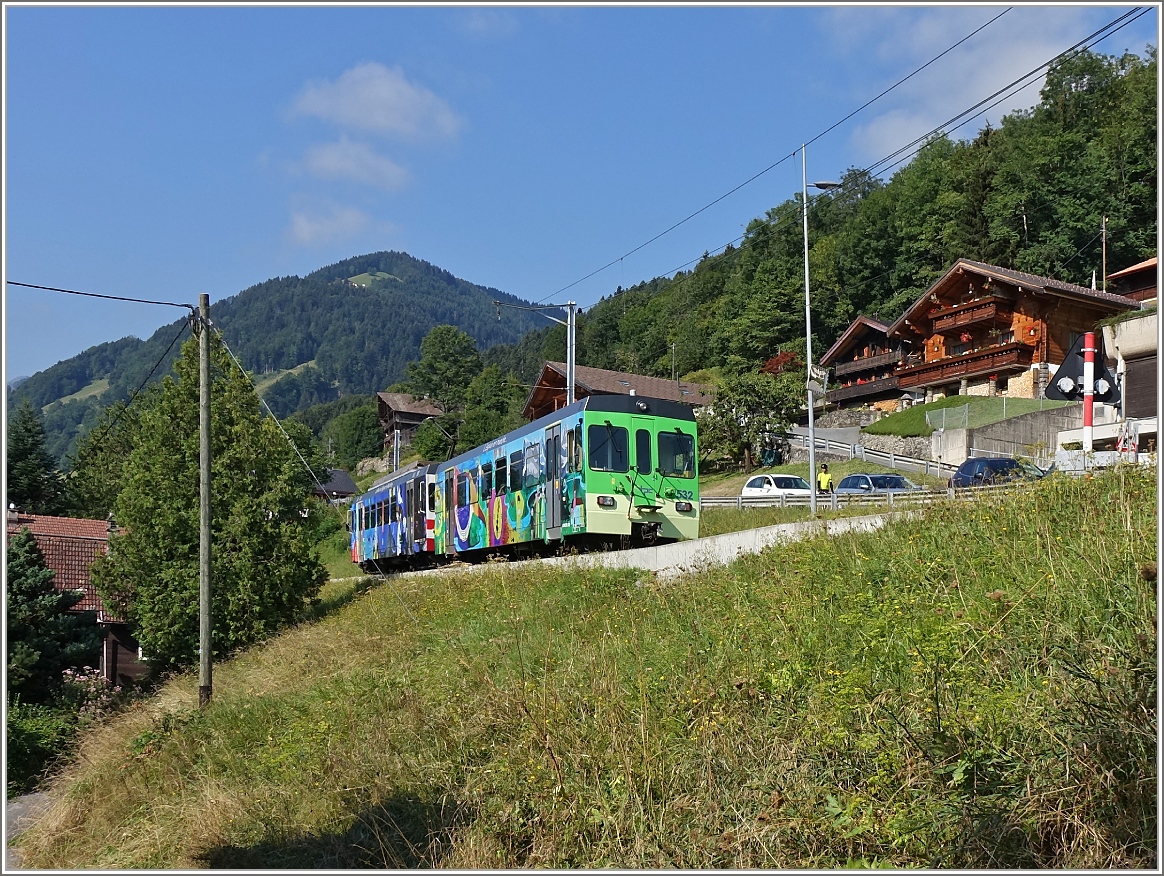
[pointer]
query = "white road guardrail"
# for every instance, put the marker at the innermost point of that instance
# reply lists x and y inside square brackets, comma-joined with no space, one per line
[890,460]
[834,501]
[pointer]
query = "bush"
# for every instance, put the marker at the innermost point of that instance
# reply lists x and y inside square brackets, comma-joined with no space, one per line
[36,737]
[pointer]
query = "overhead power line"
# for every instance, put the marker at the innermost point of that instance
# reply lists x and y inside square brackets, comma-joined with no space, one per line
[904,153]
[189,307]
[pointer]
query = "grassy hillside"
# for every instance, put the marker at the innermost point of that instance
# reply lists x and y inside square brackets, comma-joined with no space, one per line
[972,688]
[982,412]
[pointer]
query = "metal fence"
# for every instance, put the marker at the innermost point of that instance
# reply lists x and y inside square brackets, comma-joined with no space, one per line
[951,418]
[889,460]
[834,502]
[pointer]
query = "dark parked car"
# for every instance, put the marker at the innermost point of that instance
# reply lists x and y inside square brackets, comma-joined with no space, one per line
[980,471]
[875,485]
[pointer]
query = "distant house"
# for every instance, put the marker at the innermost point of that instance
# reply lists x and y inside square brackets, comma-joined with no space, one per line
[981,330]
[862,362]
[549,391]
[404,412]
[1140,282]
[338,487]
[70,545]
[1133,342]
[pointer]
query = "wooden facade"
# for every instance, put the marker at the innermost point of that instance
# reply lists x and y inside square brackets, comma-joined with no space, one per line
[863,363]
[400,410]
[981,326]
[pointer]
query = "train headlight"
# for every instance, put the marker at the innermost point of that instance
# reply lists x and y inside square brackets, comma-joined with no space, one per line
[682,506]
[606,501]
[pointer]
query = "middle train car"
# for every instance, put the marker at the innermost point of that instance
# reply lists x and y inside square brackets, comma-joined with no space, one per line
[608,470]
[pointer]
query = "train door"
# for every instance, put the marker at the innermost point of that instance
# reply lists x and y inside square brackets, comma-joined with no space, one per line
[644,468]
[449,510]
[553,475]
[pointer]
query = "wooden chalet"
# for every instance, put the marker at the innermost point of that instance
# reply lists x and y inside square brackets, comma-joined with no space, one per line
[1140,282]
[981,330]
[549,391]
[862,362]
[70,545]
[400,410]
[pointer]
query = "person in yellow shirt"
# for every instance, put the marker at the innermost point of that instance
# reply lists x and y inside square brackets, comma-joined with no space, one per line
[824,480]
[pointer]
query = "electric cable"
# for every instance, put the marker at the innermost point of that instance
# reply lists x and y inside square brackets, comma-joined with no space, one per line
[190,307]
[1088,41]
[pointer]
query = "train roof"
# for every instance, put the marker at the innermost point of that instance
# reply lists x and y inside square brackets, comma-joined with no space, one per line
[612,403]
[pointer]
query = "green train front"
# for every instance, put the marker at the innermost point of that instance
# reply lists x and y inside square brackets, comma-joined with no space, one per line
[609,470]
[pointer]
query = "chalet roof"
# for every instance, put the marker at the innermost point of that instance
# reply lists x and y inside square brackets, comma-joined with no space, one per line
[850,334]
[1104,300]
[69,545]
[408,403]
[1134,269]
[598,381]
[339,483]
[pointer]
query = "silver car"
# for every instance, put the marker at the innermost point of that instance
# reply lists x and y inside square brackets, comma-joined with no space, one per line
[875,485]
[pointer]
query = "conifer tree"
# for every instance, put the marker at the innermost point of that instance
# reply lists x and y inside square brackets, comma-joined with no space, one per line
[34,483]
[43,637]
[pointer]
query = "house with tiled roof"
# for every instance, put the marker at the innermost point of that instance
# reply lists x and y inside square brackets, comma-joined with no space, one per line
[549,391]
[983,330]
[402,412]
[862,362]
[70,545]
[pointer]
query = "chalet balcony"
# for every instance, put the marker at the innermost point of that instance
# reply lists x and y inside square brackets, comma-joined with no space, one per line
[868,362]
[1005,357]
[971,313]
[860,390]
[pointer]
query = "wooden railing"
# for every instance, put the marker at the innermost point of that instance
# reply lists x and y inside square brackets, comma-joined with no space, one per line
[842,393]
[867,362]
[1013,355]
[983,310]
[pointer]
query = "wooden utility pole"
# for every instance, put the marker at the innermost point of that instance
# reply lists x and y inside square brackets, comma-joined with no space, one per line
[204,625]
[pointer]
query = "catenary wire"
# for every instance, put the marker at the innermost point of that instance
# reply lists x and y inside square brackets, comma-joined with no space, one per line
[908,151]
[776,164]
[1092,39]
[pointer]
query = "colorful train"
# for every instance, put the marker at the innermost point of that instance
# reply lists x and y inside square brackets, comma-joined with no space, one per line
[608,471]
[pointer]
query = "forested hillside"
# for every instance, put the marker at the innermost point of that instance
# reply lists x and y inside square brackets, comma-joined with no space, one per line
[1030,194]
[354,325]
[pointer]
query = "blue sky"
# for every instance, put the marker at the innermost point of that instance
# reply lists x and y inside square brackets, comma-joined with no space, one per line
[162,152]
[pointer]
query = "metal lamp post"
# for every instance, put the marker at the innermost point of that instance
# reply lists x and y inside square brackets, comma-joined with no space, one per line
[810,382]
[570,322]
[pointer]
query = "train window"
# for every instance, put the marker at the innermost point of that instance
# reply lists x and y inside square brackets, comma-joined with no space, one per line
[515,471]
[570,450]
[486,484]
[578,447]
[608,450]
[531,472]
[462,491]
[432,497]
[643,451]
[502,474]
[677,454]
[393,510]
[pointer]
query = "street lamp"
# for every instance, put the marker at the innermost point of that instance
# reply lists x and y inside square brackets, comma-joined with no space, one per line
[570,322]
[810,382]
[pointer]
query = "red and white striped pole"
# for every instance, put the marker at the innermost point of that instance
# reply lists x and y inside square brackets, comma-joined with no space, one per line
[1088,389]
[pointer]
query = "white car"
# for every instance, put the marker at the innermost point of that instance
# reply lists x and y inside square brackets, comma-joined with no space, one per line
[776,485]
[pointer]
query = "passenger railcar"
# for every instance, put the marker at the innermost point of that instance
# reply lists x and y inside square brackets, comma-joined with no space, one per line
[605,471]
[392,524]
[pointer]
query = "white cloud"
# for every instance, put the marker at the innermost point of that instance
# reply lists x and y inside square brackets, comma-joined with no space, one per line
[373,97]
[356,162]
[482,23]
[900,40]
[337,223]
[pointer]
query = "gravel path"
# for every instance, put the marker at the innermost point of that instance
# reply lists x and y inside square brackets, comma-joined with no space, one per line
[19,814]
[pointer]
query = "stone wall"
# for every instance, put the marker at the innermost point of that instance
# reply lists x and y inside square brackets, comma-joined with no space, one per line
[916,447]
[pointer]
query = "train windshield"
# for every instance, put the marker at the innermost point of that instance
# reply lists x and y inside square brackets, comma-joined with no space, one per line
[677,454]
[608,448]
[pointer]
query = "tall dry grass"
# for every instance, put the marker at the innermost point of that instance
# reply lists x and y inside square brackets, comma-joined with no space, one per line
[972,688]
